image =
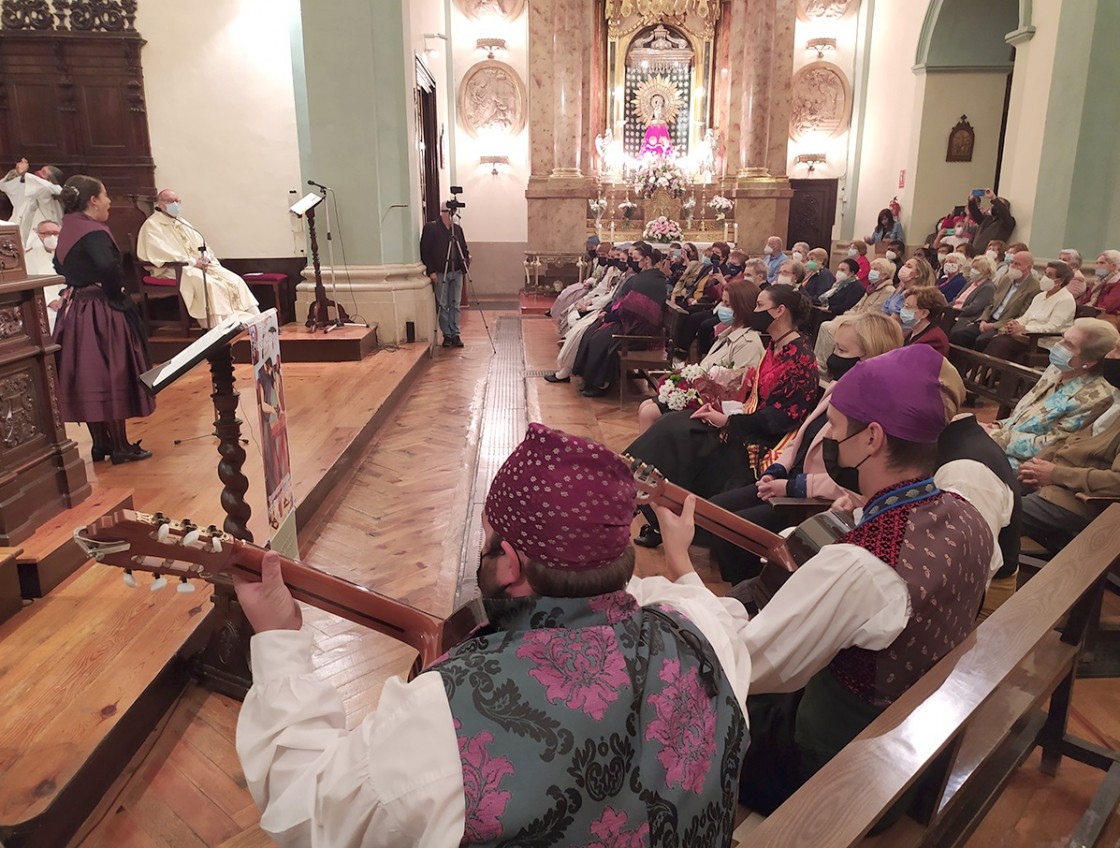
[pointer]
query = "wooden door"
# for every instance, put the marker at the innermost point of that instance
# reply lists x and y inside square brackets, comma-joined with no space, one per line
[812,212]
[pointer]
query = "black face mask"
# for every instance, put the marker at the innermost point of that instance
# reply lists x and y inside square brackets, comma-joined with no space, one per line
[761,321]
[620,264]
[633,265]
[843,476]
[732,270]
[1110,368]
[838,366]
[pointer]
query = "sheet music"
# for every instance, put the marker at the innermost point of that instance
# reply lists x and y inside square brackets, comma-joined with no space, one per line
[162,375]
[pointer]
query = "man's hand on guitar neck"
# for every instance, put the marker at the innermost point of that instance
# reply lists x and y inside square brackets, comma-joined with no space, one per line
[676,533]
[268,604]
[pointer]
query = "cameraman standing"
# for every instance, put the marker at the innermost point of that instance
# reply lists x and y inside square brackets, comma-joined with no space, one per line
[445,259]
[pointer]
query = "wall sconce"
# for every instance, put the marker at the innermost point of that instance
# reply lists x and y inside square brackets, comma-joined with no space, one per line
[432,50]
[493,162]
[821,46]
[811,159]
[491,45]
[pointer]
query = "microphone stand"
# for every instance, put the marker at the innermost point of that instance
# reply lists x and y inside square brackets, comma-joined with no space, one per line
[205,284]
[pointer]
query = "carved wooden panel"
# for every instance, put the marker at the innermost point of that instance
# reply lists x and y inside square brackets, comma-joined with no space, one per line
[812,211]
[11,321]
[18,416]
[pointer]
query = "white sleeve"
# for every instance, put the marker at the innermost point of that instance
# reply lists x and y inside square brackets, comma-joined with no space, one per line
[721,620]
[979,485]
[395,778]
[843,597]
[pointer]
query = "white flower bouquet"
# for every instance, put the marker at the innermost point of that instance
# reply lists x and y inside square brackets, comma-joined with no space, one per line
[721,206]
[627,208]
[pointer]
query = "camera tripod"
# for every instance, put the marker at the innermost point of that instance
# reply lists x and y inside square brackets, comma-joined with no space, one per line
[455,251]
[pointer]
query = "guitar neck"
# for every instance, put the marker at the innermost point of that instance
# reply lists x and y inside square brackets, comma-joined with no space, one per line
[414,627]
[728,526]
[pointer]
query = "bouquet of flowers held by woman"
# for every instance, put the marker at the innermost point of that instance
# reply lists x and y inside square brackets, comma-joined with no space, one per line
[663,230]
[691,387]
[661,174]
[721,206]
[627,208]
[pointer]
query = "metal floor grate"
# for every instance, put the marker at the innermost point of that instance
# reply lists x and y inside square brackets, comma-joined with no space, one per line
[503,424]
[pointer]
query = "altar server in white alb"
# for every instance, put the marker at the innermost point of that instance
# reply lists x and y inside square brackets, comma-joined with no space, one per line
[168,237]
[33,195]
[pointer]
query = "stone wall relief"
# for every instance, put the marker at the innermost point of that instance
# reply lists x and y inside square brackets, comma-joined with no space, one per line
[492,99]
[824,10]
[503,10]
[821,102]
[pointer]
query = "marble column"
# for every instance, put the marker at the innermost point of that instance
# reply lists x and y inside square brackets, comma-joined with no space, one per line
[758,57]
[355,118]
[567,86]
[540,89]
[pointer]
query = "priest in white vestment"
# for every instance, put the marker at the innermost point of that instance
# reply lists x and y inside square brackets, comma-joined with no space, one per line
[34,196]
[38,255]
[168,237]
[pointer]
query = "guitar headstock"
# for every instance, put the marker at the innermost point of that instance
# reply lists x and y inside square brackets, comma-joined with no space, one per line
[648,478]
[138,541]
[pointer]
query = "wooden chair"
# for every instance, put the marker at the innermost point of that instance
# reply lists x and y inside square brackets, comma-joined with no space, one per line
[647,355]
[159,288]
[278,284]
[966,727]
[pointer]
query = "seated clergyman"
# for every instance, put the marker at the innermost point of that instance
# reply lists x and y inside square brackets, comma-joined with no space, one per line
[168,237]
[593,709]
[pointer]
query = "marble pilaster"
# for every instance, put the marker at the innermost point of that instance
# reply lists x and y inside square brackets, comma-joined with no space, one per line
[568,73]
[758,60]
[781,83]
[540,89]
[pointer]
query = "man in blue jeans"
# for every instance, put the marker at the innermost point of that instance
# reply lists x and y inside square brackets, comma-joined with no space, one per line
[445,261]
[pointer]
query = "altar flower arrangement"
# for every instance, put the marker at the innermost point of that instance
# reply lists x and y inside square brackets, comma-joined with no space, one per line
[663,230]
[598,206]
[691,387]
[627,208]
[658,174]
[721,206]
[688,207]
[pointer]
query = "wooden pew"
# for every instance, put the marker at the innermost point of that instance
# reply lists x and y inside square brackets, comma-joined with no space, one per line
[995,379]
[967,726]
[648,355]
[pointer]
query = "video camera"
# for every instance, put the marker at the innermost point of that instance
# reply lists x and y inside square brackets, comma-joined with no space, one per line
[455,204]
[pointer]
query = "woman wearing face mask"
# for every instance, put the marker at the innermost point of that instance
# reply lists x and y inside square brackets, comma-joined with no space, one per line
[857,250]
[995,250]
[799,251]
[879,288]
[887,229]
[799,472]
[846,292]
[708,451]
[1087,465]
[103,352]
[914,273]
[737,348]
[1105,295]
[1071,394]
[952,280]
[790,273]
[705,323]
[696,270]
[922,310]
[818,279]
[976,296]
[1051,311]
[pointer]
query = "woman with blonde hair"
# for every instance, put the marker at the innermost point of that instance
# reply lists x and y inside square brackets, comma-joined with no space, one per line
[976,296]
[880,286]
[953,277]
[799,472]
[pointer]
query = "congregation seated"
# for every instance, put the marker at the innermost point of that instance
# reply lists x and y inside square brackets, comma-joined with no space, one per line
[1071,394]
[1062,476]
[753,271]
[637,312]
[995,251]
[977,295]
[952,279]
[1051,311]
[736,351]
[790,273]
[916,272]
[846,291]
[887,229]
[879,289]
[949,239]
[818,278]
[1105,293]
[799,251]
[726,265]
[857,250]
[693,282]
[709,450]
[677,262]
[1014,292]
[896,253]
[603,259]
[920,315]
[799,472]
[858,624]
[1072,257]
[968,250]
[775,256]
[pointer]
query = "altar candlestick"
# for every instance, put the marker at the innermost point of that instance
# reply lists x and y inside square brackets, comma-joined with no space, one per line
[612,232]
[736,233]
[725,231]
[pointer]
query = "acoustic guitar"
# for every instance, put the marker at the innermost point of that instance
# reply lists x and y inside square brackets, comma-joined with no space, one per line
[783,555]
[139,542]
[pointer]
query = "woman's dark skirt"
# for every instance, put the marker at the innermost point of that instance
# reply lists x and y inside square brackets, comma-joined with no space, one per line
[102,357]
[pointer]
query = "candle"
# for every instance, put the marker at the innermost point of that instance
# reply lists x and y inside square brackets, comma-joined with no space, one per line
[736,233]
[725,231]
[612,231]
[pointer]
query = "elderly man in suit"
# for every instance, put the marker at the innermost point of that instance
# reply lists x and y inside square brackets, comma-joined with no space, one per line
[1014,294]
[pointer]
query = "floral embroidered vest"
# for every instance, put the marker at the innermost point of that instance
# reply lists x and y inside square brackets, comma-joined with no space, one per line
[941,546]
[594,722]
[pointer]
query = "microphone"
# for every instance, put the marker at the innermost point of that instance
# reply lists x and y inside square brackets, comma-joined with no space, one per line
[202,249]
[317,185]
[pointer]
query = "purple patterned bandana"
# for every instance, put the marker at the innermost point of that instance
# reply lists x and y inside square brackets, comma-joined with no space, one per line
[563,501]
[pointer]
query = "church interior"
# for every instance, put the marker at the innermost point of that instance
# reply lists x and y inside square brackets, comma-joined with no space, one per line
[359,247]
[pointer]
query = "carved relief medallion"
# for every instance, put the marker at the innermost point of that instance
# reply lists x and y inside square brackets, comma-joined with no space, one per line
[821,102]
[492,99]
[17,411]
[505,10]
[825,10]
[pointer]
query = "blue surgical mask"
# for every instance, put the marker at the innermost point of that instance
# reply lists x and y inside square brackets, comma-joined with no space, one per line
[1102,272]
[873,276]
[726,314]
[173,209]
[707,260]
[1060,357]
[908,317]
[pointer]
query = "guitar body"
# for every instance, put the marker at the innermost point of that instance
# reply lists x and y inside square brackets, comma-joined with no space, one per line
[804,543]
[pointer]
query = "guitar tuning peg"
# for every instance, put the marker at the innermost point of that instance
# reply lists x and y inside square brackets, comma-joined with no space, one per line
[158,583]
[191,537]
[185,586]
[129,580]
[163,532]
[159,516]
[216,544]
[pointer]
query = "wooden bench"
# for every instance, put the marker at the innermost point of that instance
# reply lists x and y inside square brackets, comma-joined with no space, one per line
[995,379]
[648,355]
[967,725]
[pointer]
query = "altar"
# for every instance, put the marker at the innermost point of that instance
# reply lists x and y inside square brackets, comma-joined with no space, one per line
[657,120]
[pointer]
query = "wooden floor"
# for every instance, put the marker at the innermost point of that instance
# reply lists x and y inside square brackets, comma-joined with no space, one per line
[397,524]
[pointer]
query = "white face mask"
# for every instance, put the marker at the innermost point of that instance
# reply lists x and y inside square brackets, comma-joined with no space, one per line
[1008,256]
[841,276]
[1015,274]
[50,242]
[785,279]
[949,268]
[853,252]
[891,255]
[798,255]
[975,273]
[768,250]
[992,254]
[1046,284]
